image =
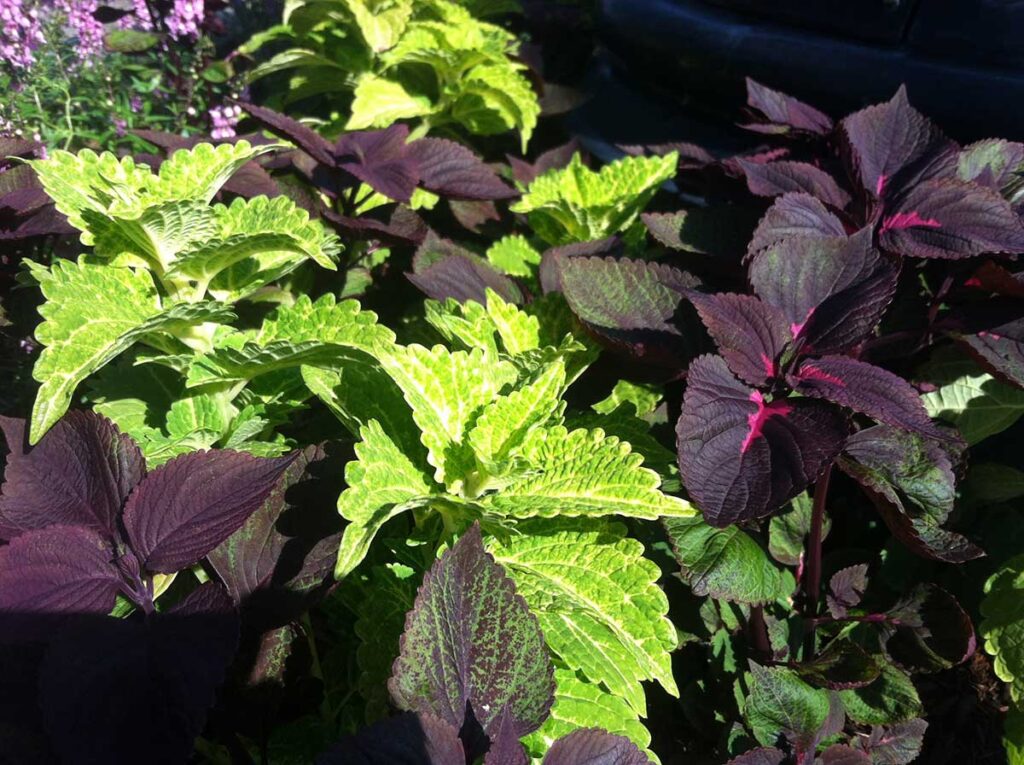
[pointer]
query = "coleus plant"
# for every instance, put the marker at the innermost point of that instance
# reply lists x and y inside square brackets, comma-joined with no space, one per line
[91,537]
[429,61]
[478,689]
[481,433]
[167,268]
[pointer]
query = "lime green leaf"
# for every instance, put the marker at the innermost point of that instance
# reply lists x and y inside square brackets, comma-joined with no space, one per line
[497,327]
[583,472]
[155,237]
[91,315]
[643,398]
[780,703]
[200,172]
[1002,627]
[379,102]
[597,600]
[514,256]
[727,564]
[381,23]
[577,204]
[328,321]
[382,483]
[447,392]
[129,41]
[497,97]
[978,404]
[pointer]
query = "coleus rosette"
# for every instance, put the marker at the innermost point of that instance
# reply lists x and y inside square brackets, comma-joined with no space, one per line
[476,690]
[480,432]
[165,265]
[88,529]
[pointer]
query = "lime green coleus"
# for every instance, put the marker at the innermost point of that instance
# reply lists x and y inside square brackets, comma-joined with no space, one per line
[431,61]
[476,430]
[164,266]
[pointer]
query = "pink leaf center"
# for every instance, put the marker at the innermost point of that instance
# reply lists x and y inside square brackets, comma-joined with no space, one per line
[909,220]
[756,420]
[807,372]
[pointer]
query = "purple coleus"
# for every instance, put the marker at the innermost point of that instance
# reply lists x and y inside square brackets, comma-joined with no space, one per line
[473,676]
[763,420]
[85,521]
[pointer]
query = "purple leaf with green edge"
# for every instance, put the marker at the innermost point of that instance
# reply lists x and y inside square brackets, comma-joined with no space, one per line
[524,173]
[832,291]
[778,112]
[887,138]
[911,481]
[750,334]
[189,505]
[632,305]
[742,457]
[53,572]
[286,549]
[893,745]
[406,739]
[453,171]
[846,588]
[760,756]
[464,277]
[505,748]
[471,642]
[867,389]
[950,219]
[112,688]
[80,473]
[773,179]
[794,216]
[382,159]
[307,139]
[593,746]
[840,666]
[928,631]
[551,262]
[841,754]
[993,163]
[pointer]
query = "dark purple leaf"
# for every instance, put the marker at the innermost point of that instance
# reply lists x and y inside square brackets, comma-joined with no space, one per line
[24,201]
[593,746]
[188,506]
[251,180]
[774,179]
[474,215]
[112,688]
[464,277]
[993,163]
[451,170]
[1000,350]
[80,473]
[741,456]
[631,305]
[894,745]
[867,389]
[795,216]
[403,226]
[840,754]
[994,278]
[307,139]
[470,640]
[950,219]
[841,665]
[928,631]
[911,481]
[832,291]
[407,739]
[760,756]
[287,547]
[888,138]
[846,588]
[778,112]
[749,333]
[722,231]
[526,173]
[57,571]
[382,159]
[505,748]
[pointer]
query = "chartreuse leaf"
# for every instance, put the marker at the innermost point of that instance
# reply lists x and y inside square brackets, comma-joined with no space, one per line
[494,662]
[1013,737]
[92,314]
[380,102]
[382,483]
[584,473]
[579,704]
[643,398]
[198,173]
[1002,626]
[781,704]
[598,602]
[381,23]
[498,326]
[727,564]
[447,391]
[577,204]
[514,256]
